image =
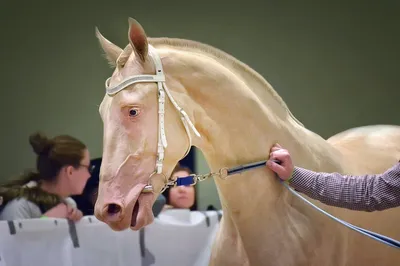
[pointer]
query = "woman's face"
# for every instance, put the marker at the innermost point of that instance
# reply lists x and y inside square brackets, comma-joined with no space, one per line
[182,197]
[80,175]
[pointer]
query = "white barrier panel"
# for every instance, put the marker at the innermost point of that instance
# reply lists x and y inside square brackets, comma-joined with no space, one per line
[177,237]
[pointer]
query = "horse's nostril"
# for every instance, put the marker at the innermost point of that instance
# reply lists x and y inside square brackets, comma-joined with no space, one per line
[113,209]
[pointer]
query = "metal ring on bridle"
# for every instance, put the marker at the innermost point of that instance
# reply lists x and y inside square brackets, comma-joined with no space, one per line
[149,188]
[223,173]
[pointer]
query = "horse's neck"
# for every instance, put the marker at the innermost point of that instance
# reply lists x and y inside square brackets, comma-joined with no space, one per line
[239,114]
[239,121]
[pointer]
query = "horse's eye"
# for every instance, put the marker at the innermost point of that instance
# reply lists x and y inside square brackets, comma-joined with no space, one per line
[133,112]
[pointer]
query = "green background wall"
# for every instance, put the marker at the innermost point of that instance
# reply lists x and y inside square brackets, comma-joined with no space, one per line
[335,65]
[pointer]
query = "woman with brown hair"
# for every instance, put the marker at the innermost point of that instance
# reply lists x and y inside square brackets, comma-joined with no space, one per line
[62,169]
[181,197]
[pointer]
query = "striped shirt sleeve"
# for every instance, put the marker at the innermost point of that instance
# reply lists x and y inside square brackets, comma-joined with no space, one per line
[363,193]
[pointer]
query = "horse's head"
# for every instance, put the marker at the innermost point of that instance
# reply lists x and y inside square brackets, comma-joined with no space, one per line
[137,111]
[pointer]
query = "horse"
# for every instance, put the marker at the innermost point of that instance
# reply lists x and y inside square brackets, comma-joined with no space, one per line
[167,94]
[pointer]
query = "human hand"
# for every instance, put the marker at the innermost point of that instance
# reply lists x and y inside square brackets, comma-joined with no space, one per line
[285,169]
[74,214]
[167,207]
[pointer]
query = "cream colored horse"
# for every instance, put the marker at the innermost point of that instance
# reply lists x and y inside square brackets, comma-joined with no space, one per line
[239,117]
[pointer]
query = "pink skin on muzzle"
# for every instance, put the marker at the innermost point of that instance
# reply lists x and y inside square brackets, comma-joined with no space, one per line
[120,203]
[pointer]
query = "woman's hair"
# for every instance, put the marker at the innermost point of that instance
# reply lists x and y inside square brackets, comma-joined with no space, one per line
[52,155]
[178,168]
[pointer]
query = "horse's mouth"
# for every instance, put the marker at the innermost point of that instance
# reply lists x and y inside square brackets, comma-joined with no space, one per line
[142,213]
[135,213]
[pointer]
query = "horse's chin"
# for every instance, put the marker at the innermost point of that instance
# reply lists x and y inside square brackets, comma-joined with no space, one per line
[142,213]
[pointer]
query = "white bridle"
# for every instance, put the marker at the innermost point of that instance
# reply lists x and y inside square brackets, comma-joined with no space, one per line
[158,78]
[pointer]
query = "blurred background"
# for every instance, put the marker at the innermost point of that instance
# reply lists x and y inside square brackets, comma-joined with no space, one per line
[335,63]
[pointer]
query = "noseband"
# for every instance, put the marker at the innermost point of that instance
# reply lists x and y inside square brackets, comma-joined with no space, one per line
[158,78]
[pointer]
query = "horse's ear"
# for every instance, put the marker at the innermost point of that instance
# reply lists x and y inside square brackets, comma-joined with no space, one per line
[111,50]
[138,39]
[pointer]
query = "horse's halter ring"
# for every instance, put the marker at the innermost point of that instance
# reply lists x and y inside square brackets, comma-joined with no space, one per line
[158,78]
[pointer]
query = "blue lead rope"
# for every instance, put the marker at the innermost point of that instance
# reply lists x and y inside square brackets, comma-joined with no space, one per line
[381,238]
[188,180]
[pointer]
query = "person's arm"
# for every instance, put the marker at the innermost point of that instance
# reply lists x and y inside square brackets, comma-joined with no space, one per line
[362,193]
[20,209]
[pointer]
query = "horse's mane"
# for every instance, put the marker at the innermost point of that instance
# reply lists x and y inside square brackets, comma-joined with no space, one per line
[219,54]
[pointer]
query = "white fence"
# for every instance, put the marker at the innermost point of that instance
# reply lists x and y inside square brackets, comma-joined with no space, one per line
[177,237]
